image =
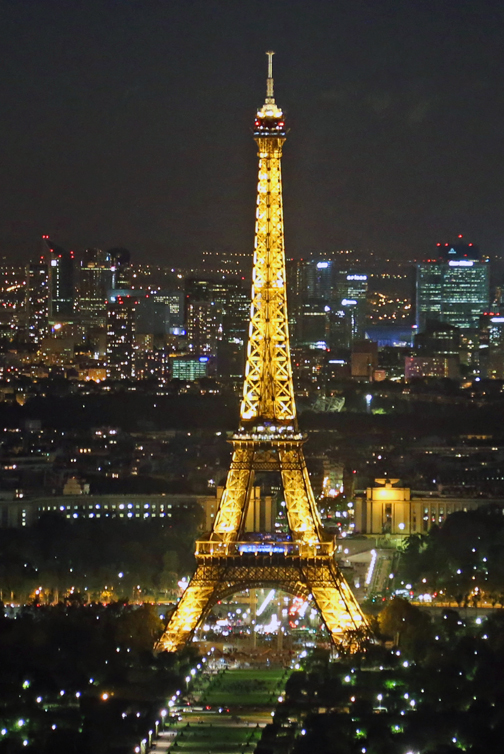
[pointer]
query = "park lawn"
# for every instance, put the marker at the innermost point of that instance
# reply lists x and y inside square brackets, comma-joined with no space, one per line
[206,738]
[222,733]
[236,687]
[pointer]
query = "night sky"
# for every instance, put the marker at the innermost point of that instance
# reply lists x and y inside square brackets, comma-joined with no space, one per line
[129,123]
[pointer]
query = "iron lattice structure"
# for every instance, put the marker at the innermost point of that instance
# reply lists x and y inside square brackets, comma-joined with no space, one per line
[267,440]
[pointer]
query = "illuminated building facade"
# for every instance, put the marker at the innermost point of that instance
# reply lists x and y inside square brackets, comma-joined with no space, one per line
[268,441]
[204,311]
[15,513]
[453,287]
[37,300]
[330,302]
[121,330]
[189,368]
[120,265]
[491,345]
[95,280]
[397,511]
[352,298]
[61,281]
[217,314]
[173,302]
[431,366]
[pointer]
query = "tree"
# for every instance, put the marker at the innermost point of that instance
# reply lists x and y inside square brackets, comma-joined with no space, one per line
[408,626]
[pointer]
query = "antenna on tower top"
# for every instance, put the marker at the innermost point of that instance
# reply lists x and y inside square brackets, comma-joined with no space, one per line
[269,81]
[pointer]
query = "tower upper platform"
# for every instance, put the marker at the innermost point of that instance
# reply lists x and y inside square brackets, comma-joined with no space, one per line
[269,120]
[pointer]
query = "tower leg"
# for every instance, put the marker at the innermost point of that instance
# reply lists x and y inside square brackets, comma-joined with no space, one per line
[337,605]
[302,512]
[233,504]
[192,607]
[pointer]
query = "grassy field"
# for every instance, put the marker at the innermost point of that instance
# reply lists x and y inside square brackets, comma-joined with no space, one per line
[217,739]
[243,687]
[249,694]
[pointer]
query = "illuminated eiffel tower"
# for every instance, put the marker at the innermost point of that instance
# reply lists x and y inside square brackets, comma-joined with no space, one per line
[268,440]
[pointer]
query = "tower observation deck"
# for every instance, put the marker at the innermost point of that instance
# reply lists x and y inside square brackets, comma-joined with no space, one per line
[267,441]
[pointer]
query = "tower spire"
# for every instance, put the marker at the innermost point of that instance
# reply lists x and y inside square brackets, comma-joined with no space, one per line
[270,97]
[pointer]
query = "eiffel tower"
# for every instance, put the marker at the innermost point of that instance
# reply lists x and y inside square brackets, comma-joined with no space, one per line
[268,440]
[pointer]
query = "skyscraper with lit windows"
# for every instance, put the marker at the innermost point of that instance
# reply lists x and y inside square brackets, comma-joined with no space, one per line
[121,329]
[37,300]
[453,286]
[61,281]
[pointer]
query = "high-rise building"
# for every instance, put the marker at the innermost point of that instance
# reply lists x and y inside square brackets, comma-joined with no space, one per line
[216,311]
[347,310]
[491,345]
[203,309]
[95,280]
[314,323]
[37,300]
[61,281]
[121,329]
[331,303]
[318,279]
[120,265]
[172,305]
[453,286]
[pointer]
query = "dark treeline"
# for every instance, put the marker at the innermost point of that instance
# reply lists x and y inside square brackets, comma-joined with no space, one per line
[83,559]
[463,560]
[147,410]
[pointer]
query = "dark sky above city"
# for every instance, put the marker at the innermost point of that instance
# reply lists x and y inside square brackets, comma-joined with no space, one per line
[128,123]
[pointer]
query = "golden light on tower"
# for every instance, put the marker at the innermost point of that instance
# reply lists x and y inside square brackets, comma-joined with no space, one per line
[268,440]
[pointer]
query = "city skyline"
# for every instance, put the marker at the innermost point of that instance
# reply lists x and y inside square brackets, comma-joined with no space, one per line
[118,131]
[295,533]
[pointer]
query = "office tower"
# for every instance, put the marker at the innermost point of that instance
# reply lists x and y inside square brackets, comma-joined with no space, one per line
[121,330]
[94,281]
[215,311]
[235,317]
[120,265]
[37,300]
[314,324]
[173,303]
[331,302]
[318,279]
[438,338]
[453,286]
[61,281]
[161,313]
[491,345]
[203,313]
[352,298]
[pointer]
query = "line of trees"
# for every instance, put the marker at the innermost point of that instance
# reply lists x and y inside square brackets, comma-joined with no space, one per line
[97,558]
[461,561]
